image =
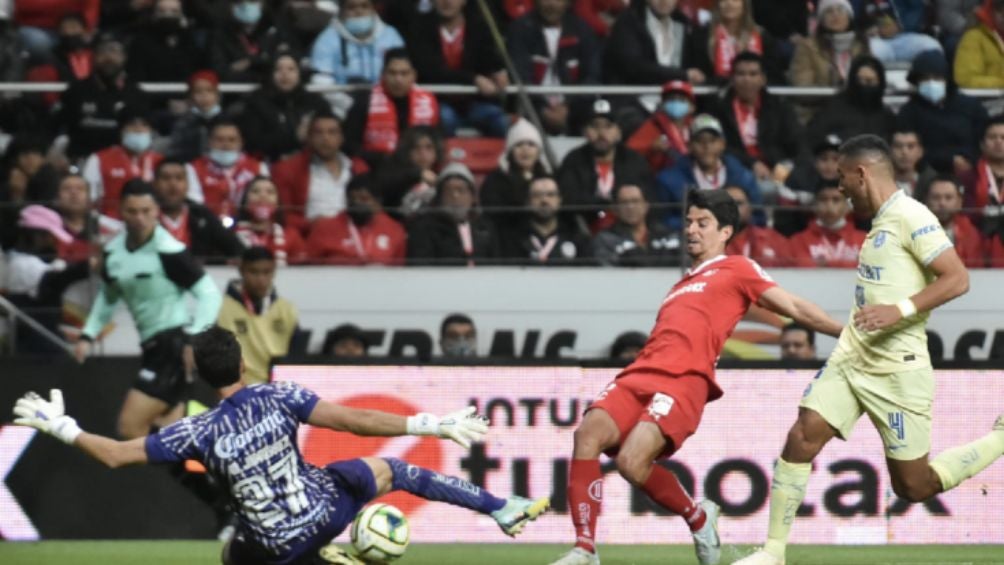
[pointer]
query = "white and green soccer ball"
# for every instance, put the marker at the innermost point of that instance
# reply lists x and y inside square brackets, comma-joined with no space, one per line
[380,533]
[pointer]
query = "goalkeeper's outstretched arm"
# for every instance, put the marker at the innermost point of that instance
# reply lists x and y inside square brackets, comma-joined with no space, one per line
[462,426]
[48,417]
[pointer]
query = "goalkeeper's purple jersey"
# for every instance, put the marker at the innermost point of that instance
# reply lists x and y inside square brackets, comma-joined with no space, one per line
[248,442]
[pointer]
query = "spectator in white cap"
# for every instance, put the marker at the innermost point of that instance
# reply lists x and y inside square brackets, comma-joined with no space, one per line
[505,189]
[35,277]
[825,59]
[452,233]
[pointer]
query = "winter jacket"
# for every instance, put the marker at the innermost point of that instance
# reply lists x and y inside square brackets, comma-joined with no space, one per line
[209,240]
[812,64]
[270,120]
[953,128]
[524,246]
[480,57]
[969,242]
[292,177]
[630,56]
[382,241]
[616,247]
[434,239]
[89,110]
[159,56]
[341,58]
[672,184]
[979,59]
[577,178]
[229,44]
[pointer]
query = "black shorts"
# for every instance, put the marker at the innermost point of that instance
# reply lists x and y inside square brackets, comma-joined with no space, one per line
[162,372]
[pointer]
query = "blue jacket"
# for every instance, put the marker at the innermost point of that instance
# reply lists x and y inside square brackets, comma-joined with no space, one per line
[341,58]
[672,184]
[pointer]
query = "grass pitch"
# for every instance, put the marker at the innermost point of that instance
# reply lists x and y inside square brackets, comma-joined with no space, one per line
[207,553]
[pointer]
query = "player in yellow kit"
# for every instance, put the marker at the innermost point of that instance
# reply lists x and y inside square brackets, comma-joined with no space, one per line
[880,366]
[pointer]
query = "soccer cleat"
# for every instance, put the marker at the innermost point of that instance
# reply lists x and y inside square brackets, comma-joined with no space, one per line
[707,544]
[518,511]
[760,557]
[578,556]
[334,555]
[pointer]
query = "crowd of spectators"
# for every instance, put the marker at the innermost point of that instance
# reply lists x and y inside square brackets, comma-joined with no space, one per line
[366,176]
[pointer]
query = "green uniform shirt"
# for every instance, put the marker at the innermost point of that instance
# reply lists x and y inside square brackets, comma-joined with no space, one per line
[152,280]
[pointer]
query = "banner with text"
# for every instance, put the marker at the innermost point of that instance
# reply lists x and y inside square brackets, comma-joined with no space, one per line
[562,312]
[535,410]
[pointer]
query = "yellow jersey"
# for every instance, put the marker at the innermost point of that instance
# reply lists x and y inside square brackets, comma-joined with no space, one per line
[262,336]
[892,265]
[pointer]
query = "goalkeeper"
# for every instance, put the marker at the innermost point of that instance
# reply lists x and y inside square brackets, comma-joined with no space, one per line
[288,509]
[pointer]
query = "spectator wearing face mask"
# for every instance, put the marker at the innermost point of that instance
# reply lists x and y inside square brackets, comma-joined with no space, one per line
[260,223]
[858,108]
[950,124]
[458,338]
[190,135]
[362,234]
[218,177]
[247,41]
[979,61]
[351,50]
[825,59]
[108,170]
[665,134]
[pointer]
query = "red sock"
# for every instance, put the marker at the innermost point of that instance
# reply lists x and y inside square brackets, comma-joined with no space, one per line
[585,492]
[663,487]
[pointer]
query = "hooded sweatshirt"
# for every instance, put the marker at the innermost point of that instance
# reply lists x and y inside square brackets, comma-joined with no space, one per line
[342,58]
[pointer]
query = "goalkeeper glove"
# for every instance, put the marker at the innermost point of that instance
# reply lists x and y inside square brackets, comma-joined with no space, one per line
[462,426]
[46,415]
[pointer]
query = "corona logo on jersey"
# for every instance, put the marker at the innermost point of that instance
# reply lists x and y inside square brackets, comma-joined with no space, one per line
[321,446]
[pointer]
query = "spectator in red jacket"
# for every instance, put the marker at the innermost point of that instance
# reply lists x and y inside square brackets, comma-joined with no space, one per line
[988,178]
[944,198]
[219,177]
[109,169]
[38,20]
[666,133]
[260,223]
[312,183]
[362,234]
[763,245]
[378,117]
[829,241]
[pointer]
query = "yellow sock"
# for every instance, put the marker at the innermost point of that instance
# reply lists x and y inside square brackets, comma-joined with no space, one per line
[959,463]
[786,493]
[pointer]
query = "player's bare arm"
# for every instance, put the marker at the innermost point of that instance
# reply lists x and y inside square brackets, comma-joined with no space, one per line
[784,303]
[48,416]
[462,426]
[952,281]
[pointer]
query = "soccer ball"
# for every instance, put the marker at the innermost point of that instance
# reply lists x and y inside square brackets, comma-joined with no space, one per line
[380,533]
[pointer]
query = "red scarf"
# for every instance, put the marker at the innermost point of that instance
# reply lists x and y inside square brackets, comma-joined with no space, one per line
[677,138]
[381,133]
[727,47]
[273,239]
[452,46]
[748,121]
[177,228]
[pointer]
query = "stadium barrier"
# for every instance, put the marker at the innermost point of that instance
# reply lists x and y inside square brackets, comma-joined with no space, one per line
[49,491]
[560,313]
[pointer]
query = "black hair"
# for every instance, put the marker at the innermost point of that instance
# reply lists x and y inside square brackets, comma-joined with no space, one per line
[242,211]
[795,326]
[719,203]
[455,319]
[365,182]
[131,114]
[748,57]
[342,332]
[620,187]
[323,115]
[395,54]
[167,162]
[217,357]
[136,187]
[995,121]
[626,340]
[224,120]
[944,177]
[257,253]
[868,145]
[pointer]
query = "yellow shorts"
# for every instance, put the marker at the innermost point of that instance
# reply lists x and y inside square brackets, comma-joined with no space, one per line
[899,405]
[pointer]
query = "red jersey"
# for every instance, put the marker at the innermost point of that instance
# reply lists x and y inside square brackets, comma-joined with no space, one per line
[763,245]
[816,246]
[338,241]
[697,316]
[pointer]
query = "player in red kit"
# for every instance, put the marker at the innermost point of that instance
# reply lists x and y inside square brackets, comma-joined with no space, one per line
[656,403]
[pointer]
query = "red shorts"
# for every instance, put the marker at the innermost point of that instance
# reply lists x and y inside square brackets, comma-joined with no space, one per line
[674,403]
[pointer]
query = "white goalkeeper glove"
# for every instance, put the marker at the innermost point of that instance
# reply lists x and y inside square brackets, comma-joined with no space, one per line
[46,415]
[462,426]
